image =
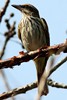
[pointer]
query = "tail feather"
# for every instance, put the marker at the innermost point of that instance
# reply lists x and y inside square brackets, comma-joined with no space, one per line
[45,90]
[40,67]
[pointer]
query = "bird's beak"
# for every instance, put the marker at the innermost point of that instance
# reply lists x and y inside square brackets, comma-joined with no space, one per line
[17,7]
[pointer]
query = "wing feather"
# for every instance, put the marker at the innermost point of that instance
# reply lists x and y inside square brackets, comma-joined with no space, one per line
[45,26]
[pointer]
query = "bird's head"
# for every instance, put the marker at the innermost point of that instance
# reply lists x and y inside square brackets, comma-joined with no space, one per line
[27,9]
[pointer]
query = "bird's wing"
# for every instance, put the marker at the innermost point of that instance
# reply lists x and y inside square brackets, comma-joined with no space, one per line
[45,26]
[19,32]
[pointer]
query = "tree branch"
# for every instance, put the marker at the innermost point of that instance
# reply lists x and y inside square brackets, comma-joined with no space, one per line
[56,84]
[57,66]
[24,57]
[28,87]
[3,10]
[17,91]
[10,33]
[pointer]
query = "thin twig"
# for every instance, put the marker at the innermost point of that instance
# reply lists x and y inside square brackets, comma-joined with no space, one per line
[52,83]
[28,87]
[3,10]
[5,82]
[57,66]
[17,91]
[11,33]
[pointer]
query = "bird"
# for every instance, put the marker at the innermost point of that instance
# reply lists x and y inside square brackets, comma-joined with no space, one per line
[34,33]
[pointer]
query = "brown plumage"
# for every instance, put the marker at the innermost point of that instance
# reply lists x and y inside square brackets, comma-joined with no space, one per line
[33,32]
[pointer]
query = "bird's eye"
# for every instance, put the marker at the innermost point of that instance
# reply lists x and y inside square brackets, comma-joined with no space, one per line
[22,6]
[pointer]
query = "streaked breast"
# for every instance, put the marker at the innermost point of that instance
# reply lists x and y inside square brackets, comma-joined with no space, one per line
[32,33]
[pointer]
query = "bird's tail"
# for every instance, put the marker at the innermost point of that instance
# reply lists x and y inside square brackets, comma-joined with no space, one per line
[44,88]
[40,67]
